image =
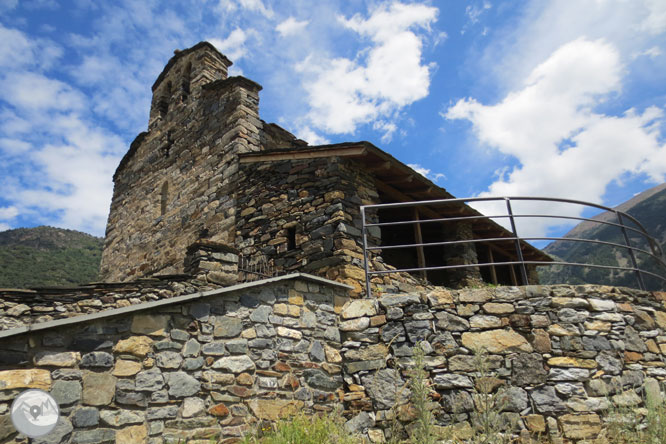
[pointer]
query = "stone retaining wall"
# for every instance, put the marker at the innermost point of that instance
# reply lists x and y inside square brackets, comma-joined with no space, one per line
[214,366]
[560,353]
[209,368]
[24,307]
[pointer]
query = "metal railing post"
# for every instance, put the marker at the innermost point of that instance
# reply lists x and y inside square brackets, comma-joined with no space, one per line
[639,277]
[365,253]
[519,251]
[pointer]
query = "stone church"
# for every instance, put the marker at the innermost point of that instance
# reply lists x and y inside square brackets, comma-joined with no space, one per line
[209,177]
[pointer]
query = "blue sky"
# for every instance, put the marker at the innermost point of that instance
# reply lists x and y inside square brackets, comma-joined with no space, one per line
[491,97]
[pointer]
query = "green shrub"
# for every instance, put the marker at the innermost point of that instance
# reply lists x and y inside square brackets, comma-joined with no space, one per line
[302,429]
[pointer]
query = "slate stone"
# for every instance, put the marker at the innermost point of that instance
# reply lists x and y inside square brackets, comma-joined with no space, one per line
[385,388]
[227,327]
[393,331]
[85,417]
[200,311]
[68,374]
[182,385]
[159,397]
[179,335]
[66,392]
[451,381]
[568,389]
[514,399]
[168,359]
[149,380]
[215,348]
[457,401]
[131,398]
[193,363]
[417,330]
[261,314]
[89,344]
[359,366]
[117,418]
[450,322]
[444,343]
[162,412]
[235,364]
[94,436]
[568,374]
[571,316]
[57,435]
[546,400]
[97,359]
[316,352]
[237,346]
[360,423]
[260,343]
[633,341]
[249,301]
[596,343]
[320,380]
[398,300]
[191,349]
[98,388]
[609,363]
[528,369]
[166,345]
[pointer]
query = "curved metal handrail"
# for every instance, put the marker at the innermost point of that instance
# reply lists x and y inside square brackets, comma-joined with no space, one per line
[655,250]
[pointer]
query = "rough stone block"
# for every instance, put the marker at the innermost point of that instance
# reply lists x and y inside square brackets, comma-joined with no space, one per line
[147,324]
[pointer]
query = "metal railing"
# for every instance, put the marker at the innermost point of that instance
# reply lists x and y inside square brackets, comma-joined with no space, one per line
[255,268]
[519,243]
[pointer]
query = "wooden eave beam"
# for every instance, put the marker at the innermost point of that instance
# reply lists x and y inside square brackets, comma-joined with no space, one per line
[380,167]
[303,154]
[401,179]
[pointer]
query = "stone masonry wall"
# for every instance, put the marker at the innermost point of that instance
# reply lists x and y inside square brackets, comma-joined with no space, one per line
[217,366]
[319,199]
[175,186]
[24,307]
[210,368]
[559,353]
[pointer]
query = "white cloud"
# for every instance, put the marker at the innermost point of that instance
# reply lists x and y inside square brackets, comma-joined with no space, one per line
[311,137]
[474,12]
[426,172]
[57,164]
[18,51]
[28,90]
[565,148]
[234,46]
[14,146]
[291,26]
[631,26]
[250,5]
[652,53]
[344,93]
[8,213]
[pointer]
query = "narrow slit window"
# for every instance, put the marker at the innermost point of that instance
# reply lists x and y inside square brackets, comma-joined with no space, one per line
[291,238]
[163,105]
[185,87]
[164,198]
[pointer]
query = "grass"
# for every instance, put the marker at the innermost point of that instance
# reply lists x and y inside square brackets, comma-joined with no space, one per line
[633,425]
[303,429]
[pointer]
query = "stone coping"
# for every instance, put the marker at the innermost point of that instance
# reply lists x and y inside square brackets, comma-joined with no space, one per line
[163,302]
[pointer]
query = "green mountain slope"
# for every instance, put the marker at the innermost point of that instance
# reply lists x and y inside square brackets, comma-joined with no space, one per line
[649,208]
[47,256]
